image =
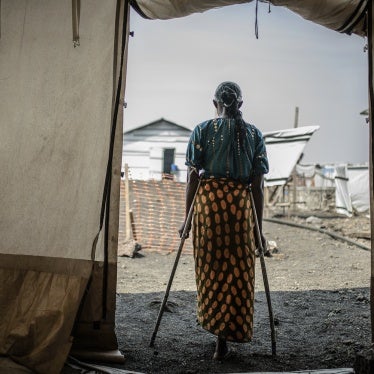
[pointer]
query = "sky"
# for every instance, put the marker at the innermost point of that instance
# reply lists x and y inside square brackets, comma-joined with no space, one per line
[174,67]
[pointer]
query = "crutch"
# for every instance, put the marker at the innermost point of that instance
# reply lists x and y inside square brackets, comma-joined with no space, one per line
[183,238]
[264,275]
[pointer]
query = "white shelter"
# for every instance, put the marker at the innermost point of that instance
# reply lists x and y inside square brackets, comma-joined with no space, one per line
[284,149]
[152,149]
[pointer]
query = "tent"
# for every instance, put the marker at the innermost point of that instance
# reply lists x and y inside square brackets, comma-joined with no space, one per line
[62,73]
[62,88]
[359,187]
[340,15]
[350,181]
[284,149]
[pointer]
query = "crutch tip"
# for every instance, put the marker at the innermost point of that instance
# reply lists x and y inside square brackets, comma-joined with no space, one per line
[273,350]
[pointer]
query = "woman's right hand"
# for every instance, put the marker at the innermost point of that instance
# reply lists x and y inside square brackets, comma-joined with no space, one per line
[265,248]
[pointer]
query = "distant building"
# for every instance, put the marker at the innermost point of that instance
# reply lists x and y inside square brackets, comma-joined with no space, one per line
[156,150]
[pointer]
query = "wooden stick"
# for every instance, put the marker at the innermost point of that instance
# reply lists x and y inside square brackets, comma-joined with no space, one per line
[183,238]
[264,276]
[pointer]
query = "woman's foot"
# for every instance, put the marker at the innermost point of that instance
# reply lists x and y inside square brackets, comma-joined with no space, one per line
[222,352]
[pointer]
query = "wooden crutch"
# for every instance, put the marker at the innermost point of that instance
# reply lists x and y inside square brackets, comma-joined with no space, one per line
[183,238]
[264,275]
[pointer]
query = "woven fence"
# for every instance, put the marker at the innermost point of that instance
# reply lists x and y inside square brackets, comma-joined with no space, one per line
[157,211]
[157,208]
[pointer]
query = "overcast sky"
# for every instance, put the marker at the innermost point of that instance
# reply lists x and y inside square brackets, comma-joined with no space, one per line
[174,67]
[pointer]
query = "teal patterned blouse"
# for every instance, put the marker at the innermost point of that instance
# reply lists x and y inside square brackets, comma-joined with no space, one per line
[215,148]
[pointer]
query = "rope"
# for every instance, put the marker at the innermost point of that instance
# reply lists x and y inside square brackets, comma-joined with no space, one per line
[256,20]
[76,15]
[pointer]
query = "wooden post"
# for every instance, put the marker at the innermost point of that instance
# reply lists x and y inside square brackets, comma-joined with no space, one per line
[133,228]
[296,123]
[127,204]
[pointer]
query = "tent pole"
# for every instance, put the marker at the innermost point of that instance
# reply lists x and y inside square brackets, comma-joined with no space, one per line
[371,157]
[127,203]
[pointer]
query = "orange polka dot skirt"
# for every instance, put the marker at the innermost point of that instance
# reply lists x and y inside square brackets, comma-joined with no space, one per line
[224,252]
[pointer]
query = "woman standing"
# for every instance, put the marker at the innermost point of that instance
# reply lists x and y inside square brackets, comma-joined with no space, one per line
[228,155]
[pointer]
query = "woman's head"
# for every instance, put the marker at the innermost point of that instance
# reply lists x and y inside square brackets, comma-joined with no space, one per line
[228,98]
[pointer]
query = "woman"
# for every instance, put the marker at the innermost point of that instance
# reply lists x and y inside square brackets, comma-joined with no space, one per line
[227,154]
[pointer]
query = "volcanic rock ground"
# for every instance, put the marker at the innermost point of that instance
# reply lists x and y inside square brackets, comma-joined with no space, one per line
[319,292]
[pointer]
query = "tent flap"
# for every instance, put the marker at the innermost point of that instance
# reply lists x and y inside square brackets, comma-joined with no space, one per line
[346,16]
[168,9]
[35,327]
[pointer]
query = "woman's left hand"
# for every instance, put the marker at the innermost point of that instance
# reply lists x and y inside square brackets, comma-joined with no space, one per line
[181,229]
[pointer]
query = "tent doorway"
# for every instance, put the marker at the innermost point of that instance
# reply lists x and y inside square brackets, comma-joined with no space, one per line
[77,245]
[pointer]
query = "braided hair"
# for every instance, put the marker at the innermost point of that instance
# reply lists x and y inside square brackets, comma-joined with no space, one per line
[229,95]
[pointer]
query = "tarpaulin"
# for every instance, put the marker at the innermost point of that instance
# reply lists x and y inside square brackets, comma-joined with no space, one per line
[284,148]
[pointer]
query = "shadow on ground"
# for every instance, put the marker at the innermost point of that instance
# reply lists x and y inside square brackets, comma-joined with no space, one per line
[315,330]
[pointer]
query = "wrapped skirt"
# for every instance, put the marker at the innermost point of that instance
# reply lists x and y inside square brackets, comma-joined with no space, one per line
[224,253]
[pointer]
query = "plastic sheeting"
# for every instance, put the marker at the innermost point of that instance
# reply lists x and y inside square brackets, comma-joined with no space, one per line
[359,188]
[342,200]
[351,183]
[340,15]
[284,149]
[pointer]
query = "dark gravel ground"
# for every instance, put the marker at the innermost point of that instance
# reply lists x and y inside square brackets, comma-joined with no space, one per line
[315,329]
[320,296]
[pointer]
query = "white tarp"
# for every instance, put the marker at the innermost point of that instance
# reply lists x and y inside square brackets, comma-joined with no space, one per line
[321,176]
[340,15]
[350,181]
[342,199]
[359,187]
[284,149]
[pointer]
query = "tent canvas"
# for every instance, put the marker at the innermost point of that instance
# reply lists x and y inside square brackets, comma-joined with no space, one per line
[62,89]
[60,123]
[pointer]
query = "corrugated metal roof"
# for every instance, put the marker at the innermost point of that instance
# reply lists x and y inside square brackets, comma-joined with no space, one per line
[160,127]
